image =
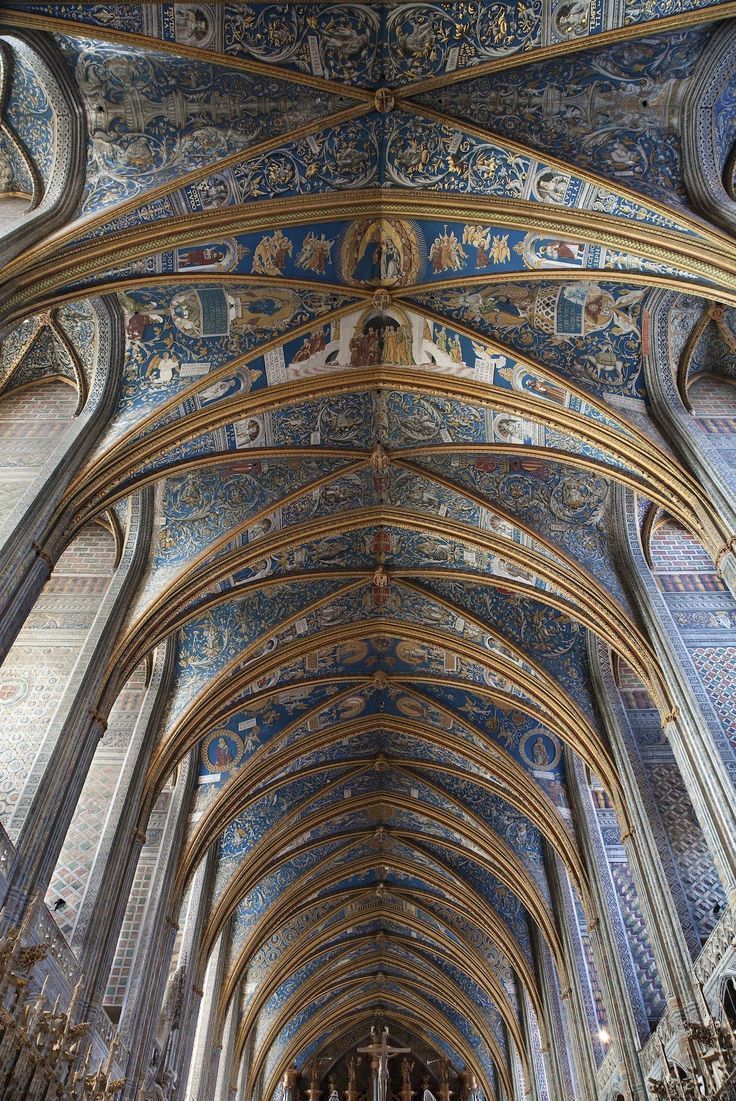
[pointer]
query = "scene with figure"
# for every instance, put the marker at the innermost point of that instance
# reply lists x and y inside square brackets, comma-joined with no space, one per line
[368,550]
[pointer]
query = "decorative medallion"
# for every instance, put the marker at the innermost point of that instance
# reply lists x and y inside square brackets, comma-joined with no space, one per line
[223,751]
[540,749]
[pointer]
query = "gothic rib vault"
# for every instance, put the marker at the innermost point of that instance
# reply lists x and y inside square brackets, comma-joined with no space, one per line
[364,307]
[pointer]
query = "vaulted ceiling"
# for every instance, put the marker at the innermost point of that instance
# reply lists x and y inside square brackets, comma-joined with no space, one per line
[383,271]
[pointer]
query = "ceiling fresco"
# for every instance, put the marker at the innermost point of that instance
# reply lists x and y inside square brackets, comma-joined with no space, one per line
[365,44]
[383,275]
[614,111]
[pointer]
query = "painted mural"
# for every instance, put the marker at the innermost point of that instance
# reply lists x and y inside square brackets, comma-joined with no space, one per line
[633,92]
[153,117]
[532,490]
[352,43]
[333,159]
[387,252]
[179,334]
[588,331]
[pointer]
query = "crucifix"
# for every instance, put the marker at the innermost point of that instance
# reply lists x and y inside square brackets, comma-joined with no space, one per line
[380,1053]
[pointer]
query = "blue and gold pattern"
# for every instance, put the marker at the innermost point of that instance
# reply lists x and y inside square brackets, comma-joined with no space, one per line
[385,306]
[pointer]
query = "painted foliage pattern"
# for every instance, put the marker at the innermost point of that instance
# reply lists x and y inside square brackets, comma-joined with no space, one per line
[14,173]
[366,43]
[614,111]
[30,112]
[152,117]
[398,150]
[379,742]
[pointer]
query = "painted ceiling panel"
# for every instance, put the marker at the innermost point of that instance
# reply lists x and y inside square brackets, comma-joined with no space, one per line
[614,111]
[382,274]
[366,44]
[185,115]
[587,331]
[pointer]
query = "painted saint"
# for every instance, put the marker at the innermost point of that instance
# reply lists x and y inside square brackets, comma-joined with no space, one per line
[224,755]
[213,192]
[312,345]
[271,254]
[315,253]
[446,253]
[222,752]
[540,757]
[212,257]
[550,252]
[192,25]
[551,186]
[238,383]
[381,251]
[572,18]
[162,369]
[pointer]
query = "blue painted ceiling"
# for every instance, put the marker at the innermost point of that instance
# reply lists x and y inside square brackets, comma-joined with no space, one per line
[381,278]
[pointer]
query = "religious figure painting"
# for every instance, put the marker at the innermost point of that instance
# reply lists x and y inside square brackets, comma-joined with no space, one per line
[550,252]
[220,256]
[223,751]
[540,749]
[381,251]
[212,311]
[195,24]
[271,253]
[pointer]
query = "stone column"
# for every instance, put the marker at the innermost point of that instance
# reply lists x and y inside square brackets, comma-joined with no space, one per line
[664,905]
[245,1071]
[102,910]
[521,1092]
[60,769]
[201,1064]
[578,1001]
[536,1087]
[627,1014]
[225,1068]
[290,1087]
[444,1092]
[560,1081]
[28,550]
[701,751]
[180,1048]
[313,1093]
[146,989]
